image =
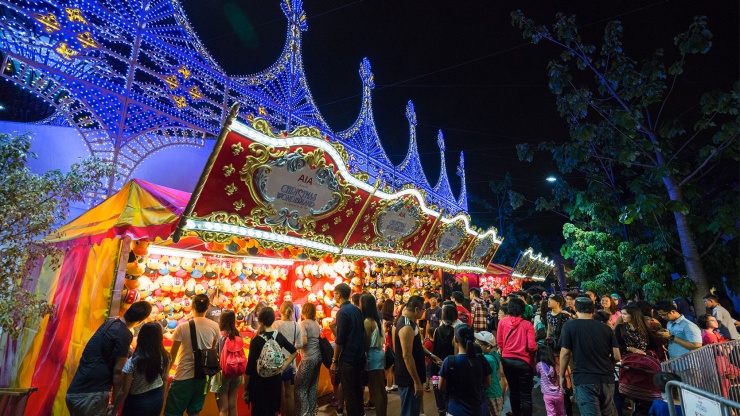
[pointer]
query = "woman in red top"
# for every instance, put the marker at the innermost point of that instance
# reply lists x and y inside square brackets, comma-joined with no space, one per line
[515,337]
[709,332]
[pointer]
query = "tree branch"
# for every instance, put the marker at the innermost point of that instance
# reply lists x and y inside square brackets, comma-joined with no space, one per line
[716,152]
[616,128]
[689,140]
[651,134]
[665,100]
[662,234]
[711,246]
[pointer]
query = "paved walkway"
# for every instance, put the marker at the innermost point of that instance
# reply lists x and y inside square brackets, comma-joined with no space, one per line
[430,408]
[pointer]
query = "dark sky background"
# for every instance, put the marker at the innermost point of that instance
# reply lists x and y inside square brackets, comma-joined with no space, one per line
[468,71]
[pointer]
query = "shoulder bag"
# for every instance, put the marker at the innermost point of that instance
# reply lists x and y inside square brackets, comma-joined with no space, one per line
[206,360]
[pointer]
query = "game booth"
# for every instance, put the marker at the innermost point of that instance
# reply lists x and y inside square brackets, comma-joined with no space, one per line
[272,212]
[496,276]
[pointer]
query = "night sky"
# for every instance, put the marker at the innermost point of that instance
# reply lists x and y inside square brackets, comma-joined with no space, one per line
[468,71]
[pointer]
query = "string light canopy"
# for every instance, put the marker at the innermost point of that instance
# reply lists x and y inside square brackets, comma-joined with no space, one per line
[134,78]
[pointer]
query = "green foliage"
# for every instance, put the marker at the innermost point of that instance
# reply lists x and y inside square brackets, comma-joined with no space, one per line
[33,205]
[605,264]
[639,175]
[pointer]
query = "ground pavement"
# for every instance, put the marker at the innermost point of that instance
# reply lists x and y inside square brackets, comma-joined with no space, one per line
[430,408]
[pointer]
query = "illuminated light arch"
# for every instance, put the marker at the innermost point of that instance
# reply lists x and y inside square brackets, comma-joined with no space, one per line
[120,71]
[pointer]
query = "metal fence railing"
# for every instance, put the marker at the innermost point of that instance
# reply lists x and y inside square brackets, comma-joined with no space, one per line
[695,401]
[713,368]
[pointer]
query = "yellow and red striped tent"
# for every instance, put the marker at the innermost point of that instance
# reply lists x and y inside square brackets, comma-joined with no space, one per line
[81,287]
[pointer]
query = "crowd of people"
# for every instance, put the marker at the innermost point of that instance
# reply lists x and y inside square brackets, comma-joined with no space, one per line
[465,352]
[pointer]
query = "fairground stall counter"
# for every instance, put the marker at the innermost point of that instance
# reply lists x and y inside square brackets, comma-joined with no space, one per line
[272,212]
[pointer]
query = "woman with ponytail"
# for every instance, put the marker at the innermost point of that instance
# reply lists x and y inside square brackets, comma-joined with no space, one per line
[465,376]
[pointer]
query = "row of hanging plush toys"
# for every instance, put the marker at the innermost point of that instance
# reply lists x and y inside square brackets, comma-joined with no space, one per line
[169,283]
[391,274]
[320,279]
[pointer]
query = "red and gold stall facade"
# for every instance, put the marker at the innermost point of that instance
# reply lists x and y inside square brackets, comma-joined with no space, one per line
[296,195]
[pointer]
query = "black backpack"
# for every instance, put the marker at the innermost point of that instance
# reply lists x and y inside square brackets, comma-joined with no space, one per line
[444,338]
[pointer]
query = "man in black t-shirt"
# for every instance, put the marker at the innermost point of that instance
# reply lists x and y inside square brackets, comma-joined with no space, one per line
[594,349]
[349,350]
[214,311]
[101,364]
[433,314]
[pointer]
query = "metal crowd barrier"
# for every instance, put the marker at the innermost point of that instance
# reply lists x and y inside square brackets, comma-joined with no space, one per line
[713,368]
[695,401]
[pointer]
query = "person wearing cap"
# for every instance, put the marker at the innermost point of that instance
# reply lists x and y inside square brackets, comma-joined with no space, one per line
[594,349]
[494,399]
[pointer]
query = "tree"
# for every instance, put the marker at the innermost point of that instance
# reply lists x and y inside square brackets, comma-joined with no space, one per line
[632,150]
[32,206]
[609,265]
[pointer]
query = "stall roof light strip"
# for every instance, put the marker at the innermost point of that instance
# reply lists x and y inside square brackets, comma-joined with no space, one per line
[265,235]
[247,131]
[538,279]
[194,254]
[539,258]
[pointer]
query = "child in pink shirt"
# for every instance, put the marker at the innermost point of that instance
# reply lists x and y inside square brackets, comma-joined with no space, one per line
[546,368]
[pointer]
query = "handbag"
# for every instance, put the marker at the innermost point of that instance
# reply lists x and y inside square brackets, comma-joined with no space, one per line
[207,360]
[327,352]
[390,357]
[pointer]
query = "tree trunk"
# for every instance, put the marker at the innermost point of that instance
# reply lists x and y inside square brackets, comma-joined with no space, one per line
[691,257]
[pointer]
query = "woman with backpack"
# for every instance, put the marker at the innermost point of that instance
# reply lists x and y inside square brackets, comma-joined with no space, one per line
[265,365]
[289,328]
[144,375]
[233,365]
[307,376]
[443,345]
[465,376]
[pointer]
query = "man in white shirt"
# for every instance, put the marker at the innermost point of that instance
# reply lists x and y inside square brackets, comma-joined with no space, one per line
[726,322]
[188,391]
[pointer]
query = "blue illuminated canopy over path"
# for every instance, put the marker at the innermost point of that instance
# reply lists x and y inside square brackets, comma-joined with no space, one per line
[133,78]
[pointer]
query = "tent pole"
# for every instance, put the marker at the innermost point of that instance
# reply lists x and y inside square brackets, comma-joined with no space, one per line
[115,301]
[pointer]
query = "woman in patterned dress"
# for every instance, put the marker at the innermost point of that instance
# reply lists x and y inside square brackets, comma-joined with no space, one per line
[307,377]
